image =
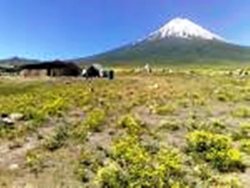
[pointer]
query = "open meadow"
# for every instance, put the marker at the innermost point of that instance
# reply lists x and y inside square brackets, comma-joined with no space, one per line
[172,128]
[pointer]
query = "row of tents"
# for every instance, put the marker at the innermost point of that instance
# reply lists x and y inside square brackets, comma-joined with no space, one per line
[58,68]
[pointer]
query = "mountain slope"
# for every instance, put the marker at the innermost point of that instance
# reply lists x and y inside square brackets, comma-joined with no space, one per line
[180,40]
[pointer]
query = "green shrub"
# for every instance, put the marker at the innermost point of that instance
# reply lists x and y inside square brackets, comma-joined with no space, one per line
[5,130]
[170,125]
[34,161]
[57,140]
[226,160]
[87,162]
[167,109]
[224,97]
[225,181]
[245,130]
[94,120]
[216,149]
[49,108]
[241,112]
[81,174]
[245,145]
[203,171]
[138,168]
[130,151]
[110,176]
[202,141]
[80,132]
[218,124]
[132,124]
[169,162]
[242,133]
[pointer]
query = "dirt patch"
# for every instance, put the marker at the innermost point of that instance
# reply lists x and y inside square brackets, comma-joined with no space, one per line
[14,155]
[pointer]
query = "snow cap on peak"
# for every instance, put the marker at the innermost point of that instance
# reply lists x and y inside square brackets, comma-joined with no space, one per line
[183,28]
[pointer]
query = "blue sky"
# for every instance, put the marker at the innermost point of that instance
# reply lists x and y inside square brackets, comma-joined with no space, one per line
[49,29]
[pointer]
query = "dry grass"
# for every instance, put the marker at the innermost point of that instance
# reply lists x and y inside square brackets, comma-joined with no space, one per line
[80,131]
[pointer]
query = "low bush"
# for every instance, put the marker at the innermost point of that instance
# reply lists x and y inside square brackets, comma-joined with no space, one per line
[170,125]
[224,97]
[133,166]
[34,161]
[169,162]
[129,150]
[57,140]
[245,145]
[202,141]
[202,171]
[216,149]
[111,176]
[54,108]
[131,124]
[226,160]
[218,125]
[241,112]
[93,120]
[242,133]
[245,130]
[224,181]
[87,162]
[167,109]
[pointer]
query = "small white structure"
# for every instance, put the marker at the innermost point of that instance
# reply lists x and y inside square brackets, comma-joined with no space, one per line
[84,71]
[147,68]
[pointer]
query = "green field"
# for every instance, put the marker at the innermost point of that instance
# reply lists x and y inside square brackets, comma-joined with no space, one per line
[172,128]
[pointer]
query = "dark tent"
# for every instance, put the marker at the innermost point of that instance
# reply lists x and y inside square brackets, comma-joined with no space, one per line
[54,68]
[93,71]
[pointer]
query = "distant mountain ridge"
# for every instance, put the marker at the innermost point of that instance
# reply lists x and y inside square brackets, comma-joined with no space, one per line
[18,61]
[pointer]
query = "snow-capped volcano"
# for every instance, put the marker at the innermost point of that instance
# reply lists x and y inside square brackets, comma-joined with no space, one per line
[178,41]
[183,28]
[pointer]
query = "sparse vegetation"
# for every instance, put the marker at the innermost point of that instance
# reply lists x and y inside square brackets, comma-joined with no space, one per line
[184,129]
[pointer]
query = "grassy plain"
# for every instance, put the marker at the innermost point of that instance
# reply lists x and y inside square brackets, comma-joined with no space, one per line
[172,128]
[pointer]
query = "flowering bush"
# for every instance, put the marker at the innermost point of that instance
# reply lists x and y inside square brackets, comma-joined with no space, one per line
[133,166]
[216,149]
